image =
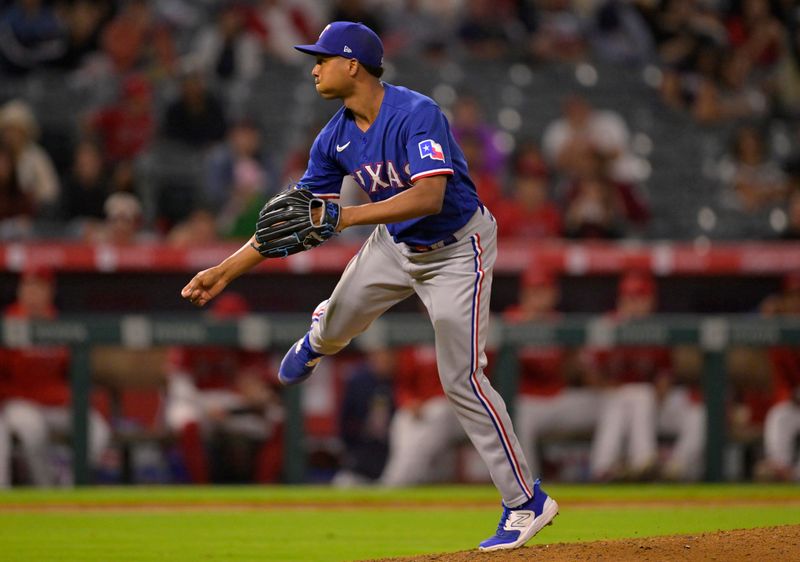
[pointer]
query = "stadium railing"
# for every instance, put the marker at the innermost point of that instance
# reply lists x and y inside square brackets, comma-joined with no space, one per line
[712,334]
[558,256]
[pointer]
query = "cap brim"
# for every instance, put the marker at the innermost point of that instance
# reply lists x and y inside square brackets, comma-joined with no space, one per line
[315,50]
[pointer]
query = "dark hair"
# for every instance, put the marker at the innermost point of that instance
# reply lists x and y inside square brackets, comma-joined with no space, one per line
[376,71]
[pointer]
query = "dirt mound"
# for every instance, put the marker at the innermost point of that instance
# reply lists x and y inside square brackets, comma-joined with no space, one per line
[773,544]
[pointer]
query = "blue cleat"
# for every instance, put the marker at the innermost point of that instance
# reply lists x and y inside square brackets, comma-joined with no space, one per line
[519,524]
[298,363]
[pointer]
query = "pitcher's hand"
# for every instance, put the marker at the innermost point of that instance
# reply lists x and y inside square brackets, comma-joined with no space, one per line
[204,286]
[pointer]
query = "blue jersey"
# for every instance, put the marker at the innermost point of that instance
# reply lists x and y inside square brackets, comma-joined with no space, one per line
[409,140]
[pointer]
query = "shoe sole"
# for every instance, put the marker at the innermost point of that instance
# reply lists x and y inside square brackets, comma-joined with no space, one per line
[549,512]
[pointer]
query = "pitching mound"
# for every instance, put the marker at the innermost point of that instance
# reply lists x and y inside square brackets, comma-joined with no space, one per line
[776,544]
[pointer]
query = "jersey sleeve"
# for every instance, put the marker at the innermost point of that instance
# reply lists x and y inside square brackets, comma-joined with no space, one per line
[428,147]
[323,175]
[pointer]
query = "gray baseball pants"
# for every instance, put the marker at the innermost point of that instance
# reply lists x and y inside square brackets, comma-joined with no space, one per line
[454,284]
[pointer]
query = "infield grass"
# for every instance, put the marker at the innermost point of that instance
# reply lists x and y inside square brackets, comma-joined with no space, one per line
[322,524]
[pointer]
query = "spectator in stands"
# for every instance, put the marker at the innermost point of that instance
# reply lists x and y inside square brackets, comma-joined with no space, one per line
[226,50]
[683,89]
[278,23]
[488,29]
[416,28]
[135,40]
[487,182]
[528,213]
[619,34]
[122,225]
[756,33]
[198,230]
[528,159]
[30,35]
[792,230]
[756,179]
[734,95]
[223,398]
[125,129]
[559,33]
[469,120]
[83,21]
[598,206]
[681,28]
[365,416]
[594,210]
[787,73]
[124,178]
[16,206]
[424,427]
[719,71]
[86,188]
[296,159]
[239,178]
[34,385]
[33,166]
[624,443]
[782,425]
[580,129]
[196,119]
[551,398]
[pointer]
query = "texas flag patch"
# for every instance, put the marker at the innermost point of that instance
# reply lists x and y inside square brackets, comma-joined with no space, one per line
[431,149]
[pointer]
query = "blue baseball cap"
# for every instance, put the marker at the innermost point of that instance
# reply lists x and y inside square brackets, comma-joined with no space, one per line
[349,40]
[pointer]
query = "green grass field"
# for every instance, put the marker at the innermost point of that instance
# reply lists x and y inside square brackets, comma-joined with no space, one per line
[318,523]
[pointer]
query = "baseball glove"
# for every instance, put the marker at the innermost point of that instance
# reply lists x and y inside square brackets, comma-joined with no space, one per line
[285,225]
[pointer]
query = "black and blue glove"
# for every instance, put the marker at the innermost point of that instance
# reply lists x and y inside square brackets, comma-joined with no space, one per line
[286,223]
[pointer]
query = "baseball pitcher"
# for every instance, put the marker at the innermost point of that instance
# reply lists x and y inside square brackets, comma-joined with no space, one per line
[434,238]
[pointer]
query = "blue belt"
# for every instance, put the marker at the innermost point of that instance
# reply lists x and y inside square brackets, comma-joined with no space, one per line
[419,249]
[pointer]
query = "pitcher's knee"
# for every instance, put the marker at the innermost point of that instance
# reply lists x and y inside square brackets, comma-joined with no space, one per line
[462,392]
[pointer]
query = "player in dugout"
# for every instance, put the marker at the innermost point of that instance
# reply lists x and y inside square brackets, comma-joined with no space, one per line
[424,429]
[221,405]
[434,238]
[34,386]
[782,426]
[554,396]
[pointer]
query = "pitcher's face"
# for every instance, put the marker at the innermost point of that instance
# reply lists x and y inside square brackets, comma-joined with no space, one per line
[332,76]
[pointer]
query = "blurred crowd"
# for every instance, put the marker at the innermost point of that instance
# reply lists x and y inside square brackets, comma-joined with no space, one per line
[378,415]
[176,73]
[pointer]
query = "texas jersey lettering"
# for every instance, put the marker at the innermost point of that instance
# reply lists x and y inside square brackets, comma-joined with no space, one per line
[409,140]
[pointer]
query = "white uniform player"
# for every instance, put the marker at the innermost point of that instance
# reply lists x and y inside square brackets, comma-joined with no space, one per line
[424,428]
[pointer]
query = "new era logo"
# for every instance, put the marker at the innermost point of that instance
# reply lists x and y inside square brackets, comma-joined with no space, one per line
[347,49]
